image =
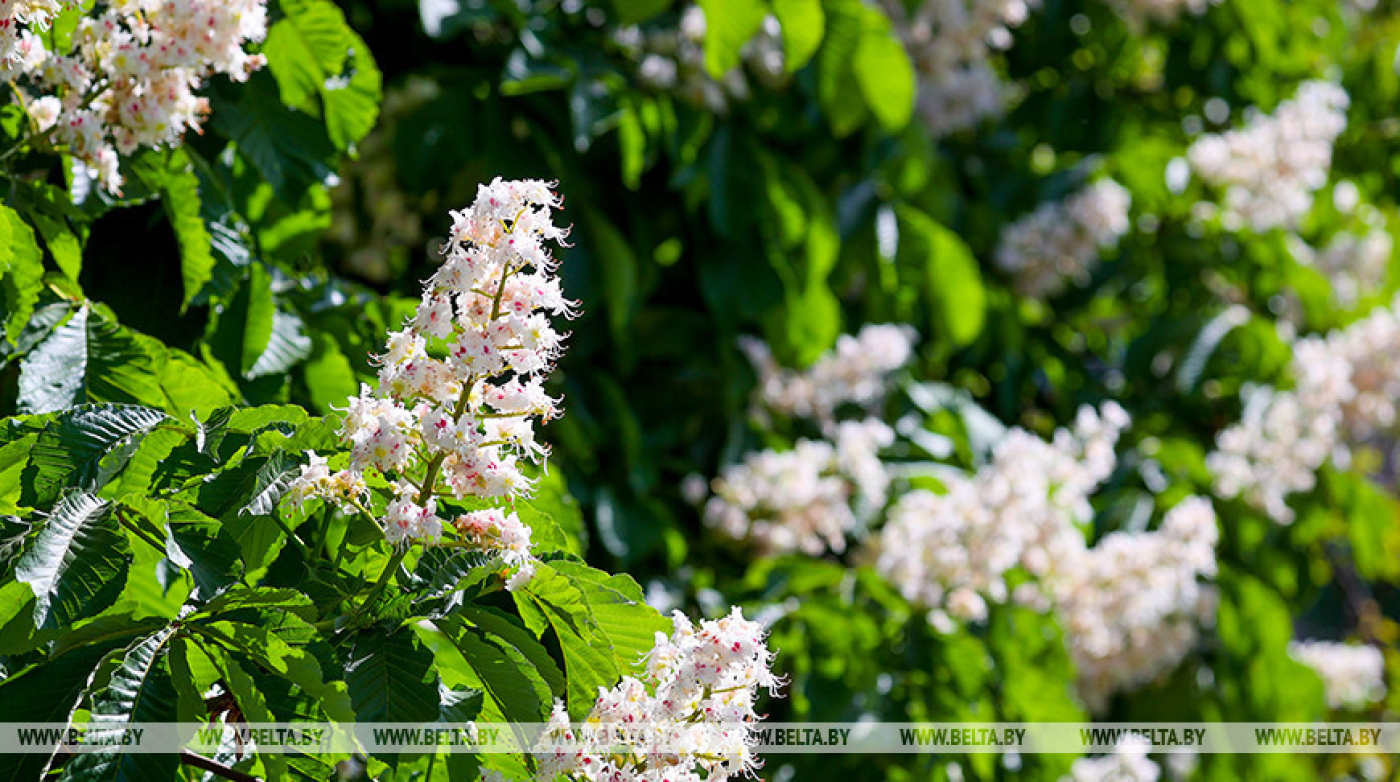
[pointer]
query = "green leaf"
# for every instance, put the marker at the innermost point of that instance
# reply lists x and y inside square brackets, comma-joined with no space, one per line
[244,326]
[76,564]
[140,690]
[512,685]
[886,78]
[729,24]
[193,387]
[391,677]
[953,281]
[803,23]
[193,673]
[506,629]
[14,457]
[619,609]
[200,545]
[837,88]
[21,272]
[180,196]
[330,379]
[288,148]
[253,705]
[47,692]
[286,346]
[271,650]
[63,243]
[312,51]
[588,653]
[85,447]
[91,358]
[619,265]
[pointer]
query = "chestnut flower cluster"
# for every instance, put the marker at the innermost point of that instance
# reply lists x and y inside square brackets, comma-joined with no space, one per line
[461,384]
[1353,676]
[129,78]
[1127,763]
[673,60]
[1132,605]
[951,44]
[1060,242]
[856,371]
[811,497]
[1346,392]
[952,552]
[807,499]
[700,682]
[1268,170]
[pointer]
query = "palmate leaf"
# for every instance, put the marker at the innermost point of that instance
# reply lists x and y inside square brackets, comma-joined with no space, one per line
[278,652]
[84,448]
[312,51]
[48,692]
[92,358]
[619,609]
[140,690]
[588,656]
[508,630]
[253,705]
[515,691]
[77,563]
[391,677]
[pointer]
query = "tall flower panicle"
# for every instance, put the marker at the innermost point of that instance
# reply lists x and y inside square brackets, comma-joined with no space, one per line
[1060,242]
[462,383]
[1132,605]
[130,75]
[1346,392]
[952,552]
[806,499]
[1268,170]
[691,714]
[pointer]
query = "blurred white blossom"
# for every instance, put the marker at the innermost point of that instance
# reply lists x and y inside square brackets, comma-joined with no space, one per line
[1268,170]
[1127,763]
[1346,392]
[1354,676]
[1060,242]
[856,371]
[951,43]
